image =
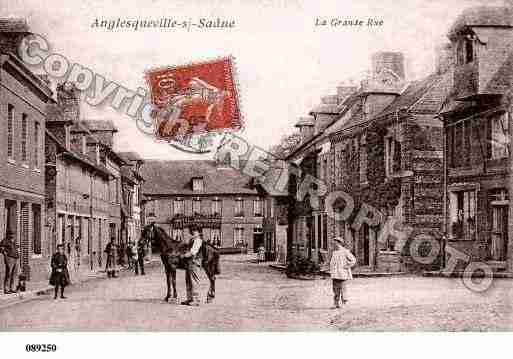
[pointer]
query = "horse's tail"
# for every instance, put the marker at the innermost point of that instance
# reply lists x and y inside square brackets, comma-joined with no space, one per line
[211,259]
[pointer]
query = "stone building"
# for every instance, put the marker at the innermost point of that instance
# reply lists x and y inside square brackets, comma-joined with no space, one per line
[381,144]
[226,203]
[477,125]
[23,100]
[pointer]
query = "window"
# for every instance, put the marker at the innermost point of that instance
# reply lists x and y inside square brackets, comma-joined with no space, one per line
[469,51]
[151,208]
[84,144]
[239,207]
[325,170]
[67,136]
[178,206]
[196,206]
[36,232]
[499,137]
[363,161]
[197,184]
[177,234]
[10,130]
[37,163]
[392,156]
[216,207]
[325,231]
[24,121]
[257,207]
[463,214]
[215,237]
[238,237]
[465,51]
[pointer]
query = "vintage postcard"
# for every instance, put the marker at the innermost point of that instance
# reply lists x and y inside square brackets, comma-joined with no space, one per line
[221,166]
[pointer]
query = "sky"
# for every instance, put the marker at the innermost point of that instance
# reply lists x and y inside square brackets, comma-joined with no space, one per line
[284,62]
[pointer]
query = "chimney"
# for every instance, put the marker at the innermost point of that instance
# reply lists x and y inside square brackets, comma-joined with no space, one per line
[68,99]
[306,127]
[12,31]
[344,91]
[444,58]
[388,60]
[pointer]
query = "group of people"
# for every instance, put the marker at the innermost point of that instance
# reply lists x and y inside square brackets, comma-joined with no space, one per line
[340,266]
[135,255]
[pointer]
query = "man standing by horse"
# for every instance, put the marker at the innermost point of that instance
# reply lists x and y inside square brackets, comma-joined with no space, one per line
[193,259]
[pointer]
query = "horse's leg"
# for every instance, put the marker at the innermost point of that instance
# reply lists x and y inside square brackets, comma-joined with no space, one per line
[167,270]
[173,280]
[212,290]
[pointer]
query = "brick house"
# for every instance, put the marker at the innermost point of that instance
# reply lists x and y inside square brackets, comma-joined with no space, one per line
[23,100]
[223,201]
[477,120]
[104,131]
[77,183]
[307,230]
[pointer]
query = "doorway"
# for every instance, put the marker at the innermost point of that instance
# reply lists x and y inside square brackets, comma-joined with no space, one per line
[499,234]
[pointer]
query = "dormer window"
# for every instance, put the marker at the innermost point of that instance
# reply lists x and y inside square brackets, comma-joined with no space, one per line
[197,184]
[97,150]
[466,50]
[469,51]
[84,144]
[67,136]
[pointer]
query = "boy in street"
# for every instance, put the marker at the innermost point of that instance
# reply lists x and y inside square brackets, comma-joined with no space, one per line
[60,274]
[340,270]
[11,257]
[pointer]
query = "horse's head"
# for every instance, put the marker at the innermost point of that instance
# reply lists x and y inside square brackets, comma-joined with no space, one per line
[148,234]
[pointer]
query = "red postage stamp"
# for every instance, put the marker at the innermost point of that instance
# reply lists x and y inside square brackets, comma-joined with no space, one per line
[195,101]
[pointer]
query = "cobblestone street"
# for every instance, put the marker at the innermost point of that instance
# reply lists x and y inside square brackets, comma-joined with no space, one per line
[254,297]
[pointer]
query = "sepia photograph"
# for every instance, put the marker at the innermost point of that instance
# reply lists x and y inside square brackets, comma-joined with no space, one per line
[256,166]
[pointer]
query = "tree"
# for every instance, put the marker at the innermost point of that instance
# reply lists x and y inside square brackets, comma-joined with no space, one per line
[287,144]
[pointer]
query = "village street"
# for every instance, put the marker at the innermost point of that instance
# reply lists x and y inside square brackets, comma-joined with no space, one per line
[252,296]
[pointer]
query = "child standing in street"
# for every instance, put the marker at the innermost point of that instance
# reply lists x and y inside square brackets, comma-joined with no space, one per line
[340,270]
[60,275]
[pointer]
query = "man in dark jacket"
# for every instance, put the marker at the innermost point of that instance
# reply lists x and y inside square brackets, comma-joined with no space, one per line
[11,258]
[60,275]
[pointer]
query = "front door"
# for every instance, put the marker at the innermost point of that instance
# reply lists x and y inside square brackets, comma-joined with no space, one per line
[499,235]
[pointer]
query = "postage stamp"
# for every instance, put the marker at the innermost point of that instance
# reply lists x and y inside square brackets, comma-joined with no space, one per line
[195,103]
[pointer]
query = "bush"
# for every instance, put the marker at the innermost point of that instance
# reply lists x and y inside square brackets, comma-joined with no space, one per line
[299,265]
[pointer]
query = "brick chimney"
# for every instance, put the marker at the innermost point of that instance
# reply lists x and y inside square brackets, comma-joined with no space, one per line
[344,91]
[444,58]
[390,61]
[306,127]
[12,31]
[68,99]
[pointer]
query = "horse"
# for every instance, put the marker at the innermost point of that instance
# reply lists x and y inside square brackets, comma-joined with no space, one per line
[171,252]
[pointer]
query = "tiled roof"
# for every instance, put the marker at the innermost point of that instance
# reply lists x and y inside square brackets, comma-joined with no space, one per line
[305,121]
[100,125]
[483,16]
[130,156]
[423,96]
[174,178]
[54,113]
[13,25]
